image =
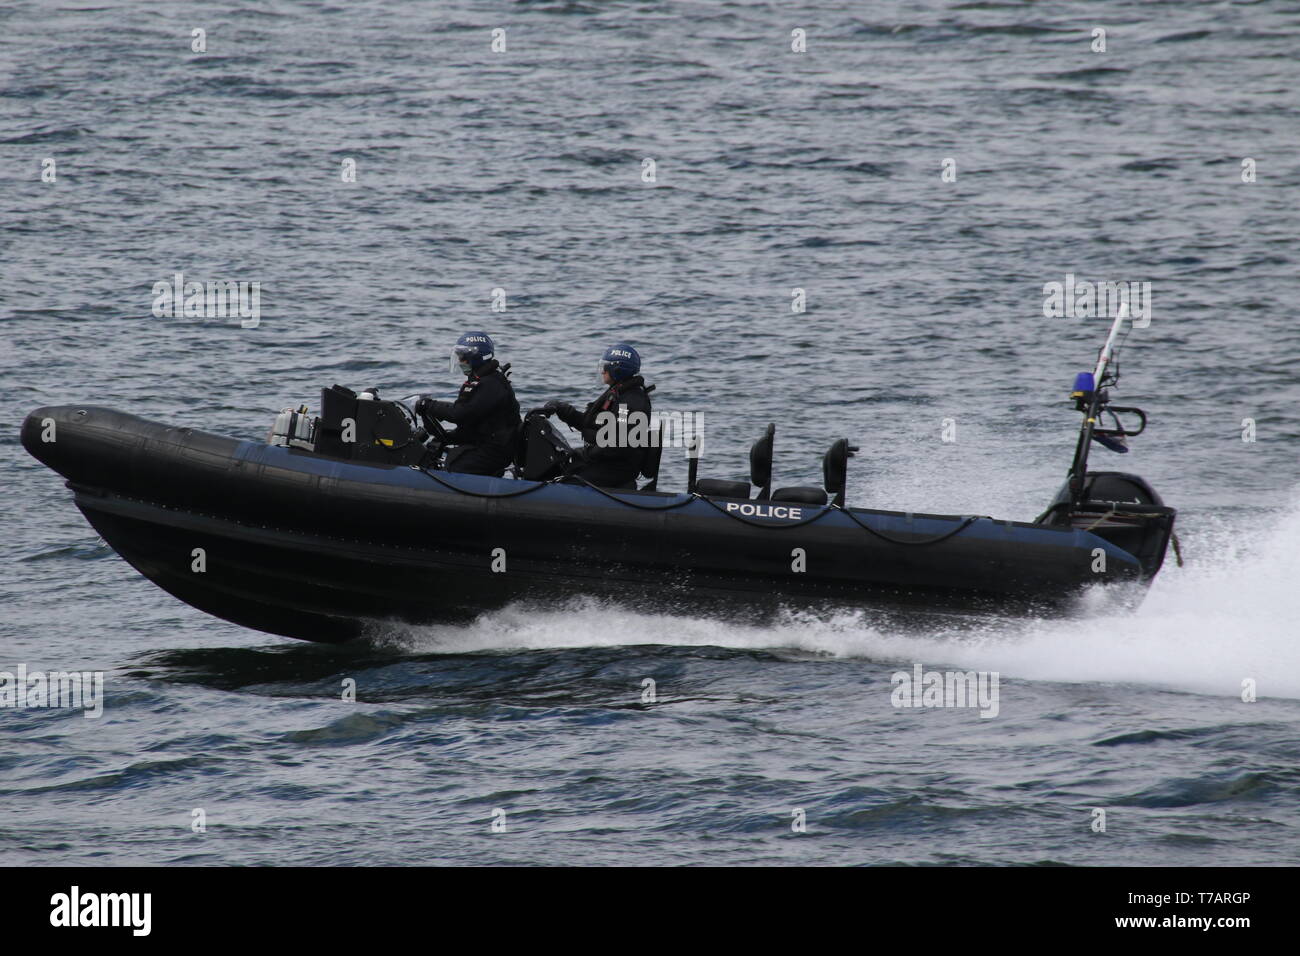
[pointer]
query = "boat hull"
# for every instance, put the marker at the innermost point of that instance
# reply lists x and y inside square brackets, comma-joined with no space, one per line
[293,543]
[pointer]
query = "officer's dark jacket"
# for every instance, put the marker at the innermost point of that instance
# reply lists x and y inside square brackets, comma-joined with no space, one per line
[485,412]
[630,392]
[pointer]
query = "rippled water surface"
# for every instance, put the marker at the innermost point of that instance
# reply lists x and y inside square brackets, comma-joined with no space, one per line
[522,170]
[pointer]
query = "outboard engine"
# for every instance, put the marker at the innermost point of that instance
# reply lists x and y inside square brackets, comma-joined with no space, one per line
[1122,508]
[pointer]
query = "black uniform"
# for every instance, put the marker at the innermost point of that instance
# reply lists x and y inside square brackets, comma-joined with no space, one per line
[611,466]
[486,415]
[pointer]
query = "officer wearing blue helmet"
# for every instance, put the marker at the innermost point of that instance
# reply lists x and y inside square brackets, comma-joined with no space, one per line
[609,464]
[485,413]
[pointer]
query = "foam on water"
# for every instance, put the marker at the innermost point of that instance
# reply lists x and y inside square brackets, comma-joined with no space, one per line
[1228,615]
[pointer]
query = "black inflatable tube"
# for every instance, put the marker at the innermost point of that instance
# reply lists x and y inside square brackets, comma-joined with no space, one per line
[323,549]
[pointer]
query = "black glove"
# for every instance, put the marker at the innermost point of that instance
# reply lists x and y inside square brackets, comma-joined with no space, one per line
[549,409]
[579,456]
[430,411]
[432,408]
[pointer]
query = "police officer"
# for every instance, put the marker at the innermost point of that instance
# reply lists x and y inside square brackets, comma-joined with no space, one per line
[485,413]
[607,457]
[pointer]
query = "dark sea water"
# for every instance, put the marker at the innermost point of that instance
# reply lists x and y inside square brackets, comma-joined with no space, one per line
[522,170]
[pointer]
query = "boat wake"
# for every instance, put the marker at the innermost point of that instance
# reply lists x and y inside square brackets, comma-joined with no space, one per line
[1230,614]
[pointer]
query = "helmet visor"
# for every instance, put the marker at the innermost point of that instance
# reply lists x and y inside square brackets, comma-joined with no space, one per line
[462,360]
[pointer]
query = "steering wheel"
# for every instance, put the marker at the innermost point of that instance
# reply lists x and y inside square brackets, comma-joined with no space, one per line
[435,429]
[432,426]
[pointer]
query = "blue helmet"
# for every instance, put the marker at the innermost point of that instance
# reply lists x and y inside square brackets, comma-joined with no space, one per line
[471,351]
[621,361]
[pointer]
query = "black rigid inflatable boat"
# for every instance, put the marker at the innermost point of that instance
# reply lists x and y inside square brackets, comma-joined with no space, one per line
[325,539]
